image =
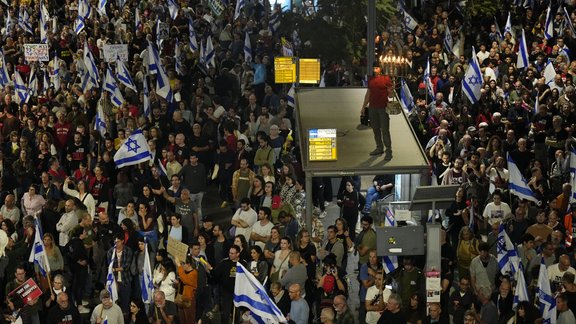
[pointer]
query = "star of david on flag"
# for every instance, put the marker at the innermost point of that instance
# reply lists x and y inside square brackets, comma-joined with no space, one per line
[134,151]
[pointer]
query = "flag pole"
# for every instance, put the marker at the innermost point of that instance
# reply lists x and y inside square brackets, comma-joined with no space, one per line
[233,313]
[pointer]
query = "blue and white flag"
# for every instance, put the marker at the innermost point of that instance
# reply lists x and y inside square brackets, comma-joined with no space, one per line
[173,9]
[112,88]
[123,75]
[44,23]
[202,56]
[46,81]
[518,184]
[192,35]
[134,150]
[110,279]
[546,299]
[521,291]
[33,84]
[162,82]
[84,12]
[249,293]
[472,81]
[9,23]
[24,21]
[573,174]
[448,40]
[38,254]
[406,99]
[210,55]
[409,22]
[428,81]
[102,7]
[498,32]
[549,73]
[21,89]
[178,58]
[323,80]
[522,61]
[4,76]
[389,262]
[568,22]
[239,6]
[291,97]
[508,259]
[56,73]
[146,99]
[162,169]
[536,104]
[100,122]
[137,20]
[274,22]
[158,39]
[147,283]
[90,65]
[508,26]
[549,24]
[247,49]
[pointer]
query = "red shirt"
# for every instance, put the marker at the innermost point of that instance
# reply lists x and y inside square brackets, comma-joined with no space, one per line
[62,134]
[379,86]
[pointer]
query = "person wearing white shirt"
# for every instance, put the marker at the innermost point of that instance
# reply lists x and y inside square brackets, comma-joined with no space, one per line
[497,210]
[9,209]
[67,222]
[376,299]
[261,230]
[557,270]
[244,218]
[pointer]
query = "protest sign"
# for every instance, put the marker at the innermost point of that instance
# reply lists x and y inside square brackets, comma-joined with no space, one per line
[36,52]
[111,52]
[27,291]
[177,249]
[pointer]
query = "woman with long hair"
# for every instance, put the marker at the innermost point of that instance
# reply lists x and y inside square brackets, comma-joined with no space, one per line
[256,192]
[307,250]
[258,265]
[137,311]
[466,251]
[53,254]
[149,198]
[280,265]
[240,241]
[166,279]
[288,191]
[415,312]
[350,202]
[81,194]
[130,234]
[147,224]
[267,173]
[272,245]
[138,265]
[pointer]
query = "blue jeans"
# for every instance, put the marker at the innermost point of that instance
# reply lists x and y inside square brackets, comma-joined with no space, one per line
[371,195]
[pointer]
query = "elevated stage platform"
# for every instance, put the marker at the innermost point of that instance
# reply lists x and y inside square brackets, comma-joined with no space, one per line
[339,108]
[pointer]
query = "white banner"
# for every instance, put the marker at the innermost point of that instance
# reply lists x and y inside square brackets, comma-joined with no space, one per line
[36,52]
[111,52]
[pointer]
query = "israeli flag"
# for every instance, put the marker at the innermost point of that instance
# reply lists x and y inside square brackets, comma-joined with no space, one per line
[90,65]
[549,73]
[427,80]
[508,259]
[123,75]
[210,53]
[56,73]
[409,22]
[568,21]
[448,41]
[249,293]
[84,12]
[536,104]
[100,122]
[290,96]
[546,299]
[46,81]
[173,9]
[44,19]
[137,20]
[192,35]
[239,6]
[472,81]
[573,174]
[147,109]
[178,58]
[147,284]
[406,99]
[134,150]
[498,32]
[21,89]
[38,254]
[522,61]
[508,26]
[389,262]
[549,25]
[79,25]
[247,49]
[201,56]
[521,292]
[4,76]
[274,22]
[162,82]
[110,279]
[158,39]
[33,83]
[517,184]
[102,7]
[24,21]
[9,24]
[112,88]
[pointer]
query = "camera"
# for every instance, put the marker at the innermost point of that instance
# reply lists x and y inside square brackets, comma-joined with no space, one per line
[365,120]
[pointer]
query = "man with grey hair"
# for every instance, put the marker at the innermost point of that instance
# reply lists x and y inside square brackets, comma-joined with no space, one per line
[162,311]
[327,316]
[393,312]
[488,312]
[299,309]
[343,312]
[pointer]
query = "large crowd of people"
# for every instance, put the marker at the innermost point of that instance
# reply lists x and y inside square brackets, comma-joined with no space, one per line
[229,131]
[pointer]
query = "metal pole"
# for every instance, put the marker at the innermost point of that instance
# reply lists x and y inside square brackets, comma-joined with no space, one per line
[309,202]
[370,36]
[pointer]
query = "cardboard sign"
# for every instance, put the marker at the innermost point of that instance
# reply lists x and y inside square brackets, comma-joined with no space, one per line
[27,291]
[36,52]
[177,249]
[111,52]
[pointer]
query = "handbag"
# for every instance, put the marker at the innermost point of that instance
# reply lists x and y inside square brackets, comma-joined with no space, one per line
[275,276]
[180,300]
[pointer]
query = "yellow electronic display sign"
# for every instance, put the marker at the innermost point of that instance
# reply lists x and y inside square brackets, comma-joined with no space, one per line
[309,71]
[322,145]
[284,70]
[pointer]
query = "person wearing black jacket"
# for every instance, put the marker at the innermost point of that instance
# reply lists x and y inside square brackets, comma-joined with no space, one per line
[382,186]
[66,312]
[78,261]
[503,299]
[225,275]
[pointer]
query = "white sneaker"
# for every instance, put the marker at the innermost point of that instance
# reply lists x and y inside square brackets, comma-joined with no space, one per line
[85,302]
[83,309]
[322,215]
[326,203]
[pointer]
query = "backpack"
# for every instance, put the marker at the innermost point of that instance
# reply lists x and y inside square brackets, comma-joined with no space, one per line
[329,284]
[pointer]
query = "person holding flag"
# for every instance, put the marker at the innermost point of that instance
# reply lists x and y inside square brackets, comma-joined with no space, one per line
[120,259]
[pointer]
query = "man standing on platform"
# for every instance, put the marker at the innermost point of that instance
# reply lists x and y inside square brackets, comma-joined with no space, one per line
[380,92]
